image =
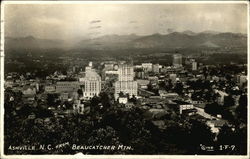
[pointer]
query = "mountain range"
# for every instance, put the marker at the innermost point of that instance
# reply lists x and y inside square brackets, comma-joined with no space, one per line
[186,39]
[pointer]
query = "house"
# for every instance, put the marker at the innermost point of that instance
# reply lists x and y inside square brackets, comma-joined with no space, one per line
[50,88]
[215,125]
[189,112]
[183,105]
[123,99]
[197,103]
[165,94]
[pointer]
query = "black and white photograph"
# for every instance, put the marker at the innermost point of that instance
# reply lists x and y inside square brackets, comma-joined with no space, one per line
[110,78]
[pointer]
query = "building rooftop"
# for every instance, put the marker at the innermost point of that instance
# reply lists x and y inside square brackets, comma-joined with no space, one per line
[180,102]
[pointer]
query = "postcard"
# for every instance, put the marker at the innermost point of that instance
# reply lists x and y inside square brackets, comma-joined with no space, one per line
[124,79]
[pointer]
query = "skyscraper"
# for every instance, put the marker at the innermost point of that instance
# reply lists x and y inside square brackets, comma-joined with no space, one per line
[91,82]
[125,73]
[194,66]
[125,83]
[177,60]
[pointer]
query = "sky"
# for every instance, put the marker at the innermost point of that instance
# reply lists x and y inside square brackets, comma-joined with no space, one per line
[69,21]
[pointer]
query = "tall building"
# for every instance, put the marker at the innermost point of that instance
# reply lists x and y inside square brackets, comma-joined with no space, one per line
[156,68]
[194,66]
[91,82]
[125,73]
[125,83]
[177,60]
[126,87]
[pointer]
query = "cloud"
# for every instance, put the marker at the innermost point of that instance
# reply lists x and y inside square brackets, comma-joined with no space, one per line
[95,21]
[74,20]
[133,21]
[95,27]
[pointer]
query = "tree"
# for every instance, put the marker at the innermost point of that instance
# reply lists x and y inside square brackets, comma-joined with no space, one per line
[228,115]
[105,100]
[131,128]
[80,93]
[43,113]
[241,110]
[226,136]
[95,105]
[179,88]
[133,99]
[213,109]
[169,85]
[103,136]
[228,101]
[150,87]
[68,105]
[51,99]
[236,138]
[205,72]
[200,133]
[162,84]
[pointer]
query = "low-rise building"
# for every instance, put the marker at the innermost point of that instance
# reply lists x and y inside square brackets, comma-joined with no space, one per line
[147,67]
[165,94]
[67,86]
[50,88]
[123,99]
[183,105]
[142,83]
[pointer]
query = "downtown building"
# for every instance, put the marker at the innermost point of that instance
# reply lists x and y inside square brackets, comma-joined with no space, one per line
[194,66]
[91,83]
[147,67]
[125,83]
[177,60]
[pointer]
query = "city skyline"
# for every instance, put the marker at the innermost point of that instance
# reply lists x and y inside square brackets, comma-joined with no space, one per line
[122,78]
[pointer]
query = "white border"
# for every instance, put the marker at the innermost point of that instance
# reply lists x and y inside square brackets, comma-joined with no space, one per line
[2,80]
[112,156]
[126,2]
